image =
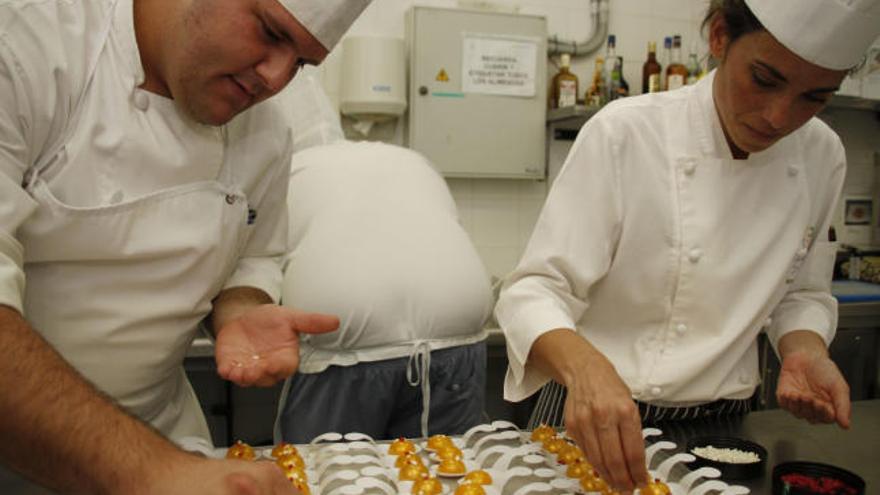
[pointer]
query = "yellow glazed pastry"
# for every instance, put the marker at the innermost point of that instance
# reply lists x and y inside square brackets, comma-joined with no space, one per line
[436,442]
[427,486]
[470,489]
[412,472]
[408,458]
[288,461]
[401,446]
[479,477]
[569,454]
[542,433]
[593,484]
[241,450]
[555,445]
[449,452]
[295,475]
[303,488]
[656,487]
[283,449]
[578,469]
[451,467]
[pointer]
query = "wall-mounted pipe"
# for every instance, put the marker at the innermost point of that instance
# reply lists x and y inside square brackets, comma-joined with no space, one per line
[599,24]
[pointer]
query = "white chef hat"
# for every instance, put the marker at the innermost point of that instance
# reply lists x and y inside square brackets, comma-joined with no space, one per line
[834,34]
[327,20]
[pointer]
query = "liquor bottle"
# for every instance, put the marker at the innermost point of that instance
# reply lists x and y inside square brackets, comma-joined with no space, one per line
[693,68]
[624,86]
[667,58]
[651,71]
[676,72]
[608,69]
[564,88]
[618,87]
[595,96]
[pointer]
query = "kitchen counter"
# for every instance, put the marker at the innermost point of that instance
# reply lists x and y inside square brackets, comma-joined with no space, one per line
[787,438]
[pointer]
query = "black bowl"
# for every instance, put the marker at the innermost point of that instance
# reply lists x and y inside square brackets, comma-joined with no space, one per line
[729,470]
[816,471]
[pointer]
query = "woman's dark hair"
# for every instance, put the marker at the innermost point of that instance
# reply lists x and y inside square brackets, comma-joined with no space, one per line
[738,17]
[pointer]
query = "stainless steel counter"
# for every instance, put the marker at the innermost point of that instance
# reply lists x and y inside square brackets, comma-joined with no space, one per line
[787,438]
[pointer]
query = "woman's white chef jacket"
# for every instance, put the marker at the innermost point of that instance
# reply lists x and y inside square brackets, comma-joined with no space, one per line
[404,273]
[671,257]
[125,217]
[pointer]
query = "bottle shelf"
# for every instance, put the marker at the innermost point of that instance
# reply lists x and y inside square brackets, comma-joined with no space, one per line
[854,103]
[571,118]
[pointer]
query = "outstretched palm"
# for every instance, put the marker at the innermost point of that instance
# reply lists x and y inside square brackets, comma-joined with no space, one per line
[261,347]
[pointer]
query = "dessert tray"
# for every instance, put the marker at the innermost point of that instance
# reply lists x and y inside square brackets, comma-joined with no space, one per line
[493,459]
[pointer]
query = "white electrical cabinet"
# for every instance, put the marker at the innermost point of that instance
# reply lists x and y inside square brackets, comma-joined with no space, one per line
[478,91]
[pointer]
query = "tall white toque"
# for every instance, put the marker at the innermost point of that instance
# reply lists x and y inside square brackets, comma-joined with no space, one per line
[327,20]
[834,34]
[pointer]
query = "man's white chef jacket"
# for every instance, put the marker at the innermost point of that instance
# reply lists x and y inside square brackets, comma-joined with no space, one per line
[671,257]
[128,149]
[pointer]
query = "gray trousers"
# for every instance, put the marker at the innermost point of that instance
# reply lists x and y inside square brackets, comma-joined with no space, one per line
[375,398]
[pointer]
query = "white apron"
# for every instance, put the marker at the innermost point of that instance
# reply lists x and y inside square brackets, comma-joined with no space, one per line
[119,290]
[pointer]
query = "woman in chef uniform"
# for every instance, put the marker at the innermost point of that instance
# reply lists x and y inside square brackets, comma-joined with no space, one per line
[142,192]
[682,225]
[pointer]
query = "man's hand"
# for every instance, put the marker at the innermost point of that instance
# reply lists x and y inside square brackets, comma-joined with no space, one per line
[810,385]
[261,345]
[600,414]
[191,475]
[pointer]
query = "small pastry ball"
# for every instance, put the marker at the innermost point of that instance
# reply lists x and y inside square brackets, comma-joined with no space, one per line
[296,475]
[241,450]
[593,484]
[578,469]
[303,488]
[436,442]
[569,454]
[542,433]
[427,486]
[656,487]
[479,477]
[413,472]
[449,452]
[289,461]
[408,458]
[470,489]
[283,449]
[401,446]
[451,467]
[555,445]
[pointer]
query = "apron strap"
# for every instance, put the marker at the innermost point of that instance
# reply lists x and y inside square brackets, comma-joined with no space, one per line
[418,371]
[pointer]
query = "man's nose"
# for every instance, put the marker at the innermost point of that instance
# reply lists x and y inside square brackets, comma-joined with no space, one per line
[277,68]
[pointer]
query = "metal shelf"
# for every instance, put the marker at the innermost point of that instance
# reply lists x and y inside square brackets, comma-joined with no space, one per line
[570,118]
[854,103]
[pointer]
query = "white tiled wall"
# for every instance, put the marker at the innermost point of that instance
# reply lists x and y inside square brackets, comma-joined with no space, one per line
[500,214]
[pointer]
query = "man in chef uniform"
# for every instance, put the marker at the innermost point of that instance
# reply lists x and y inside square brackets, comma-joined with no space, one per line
[685,223]
[375,240]
[142,191]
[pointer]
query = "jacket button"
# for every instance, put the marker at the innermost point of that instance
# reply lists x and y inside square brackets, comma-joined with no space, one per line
[792,170]
[681,328]
[689,166]
[141,100]
[744,379]
[694,255]
[768,322]
[655,391]
[802,252]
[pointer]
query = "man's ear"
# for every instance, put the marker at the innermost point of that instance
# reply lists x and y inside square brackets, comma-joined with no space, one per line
[719,39]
